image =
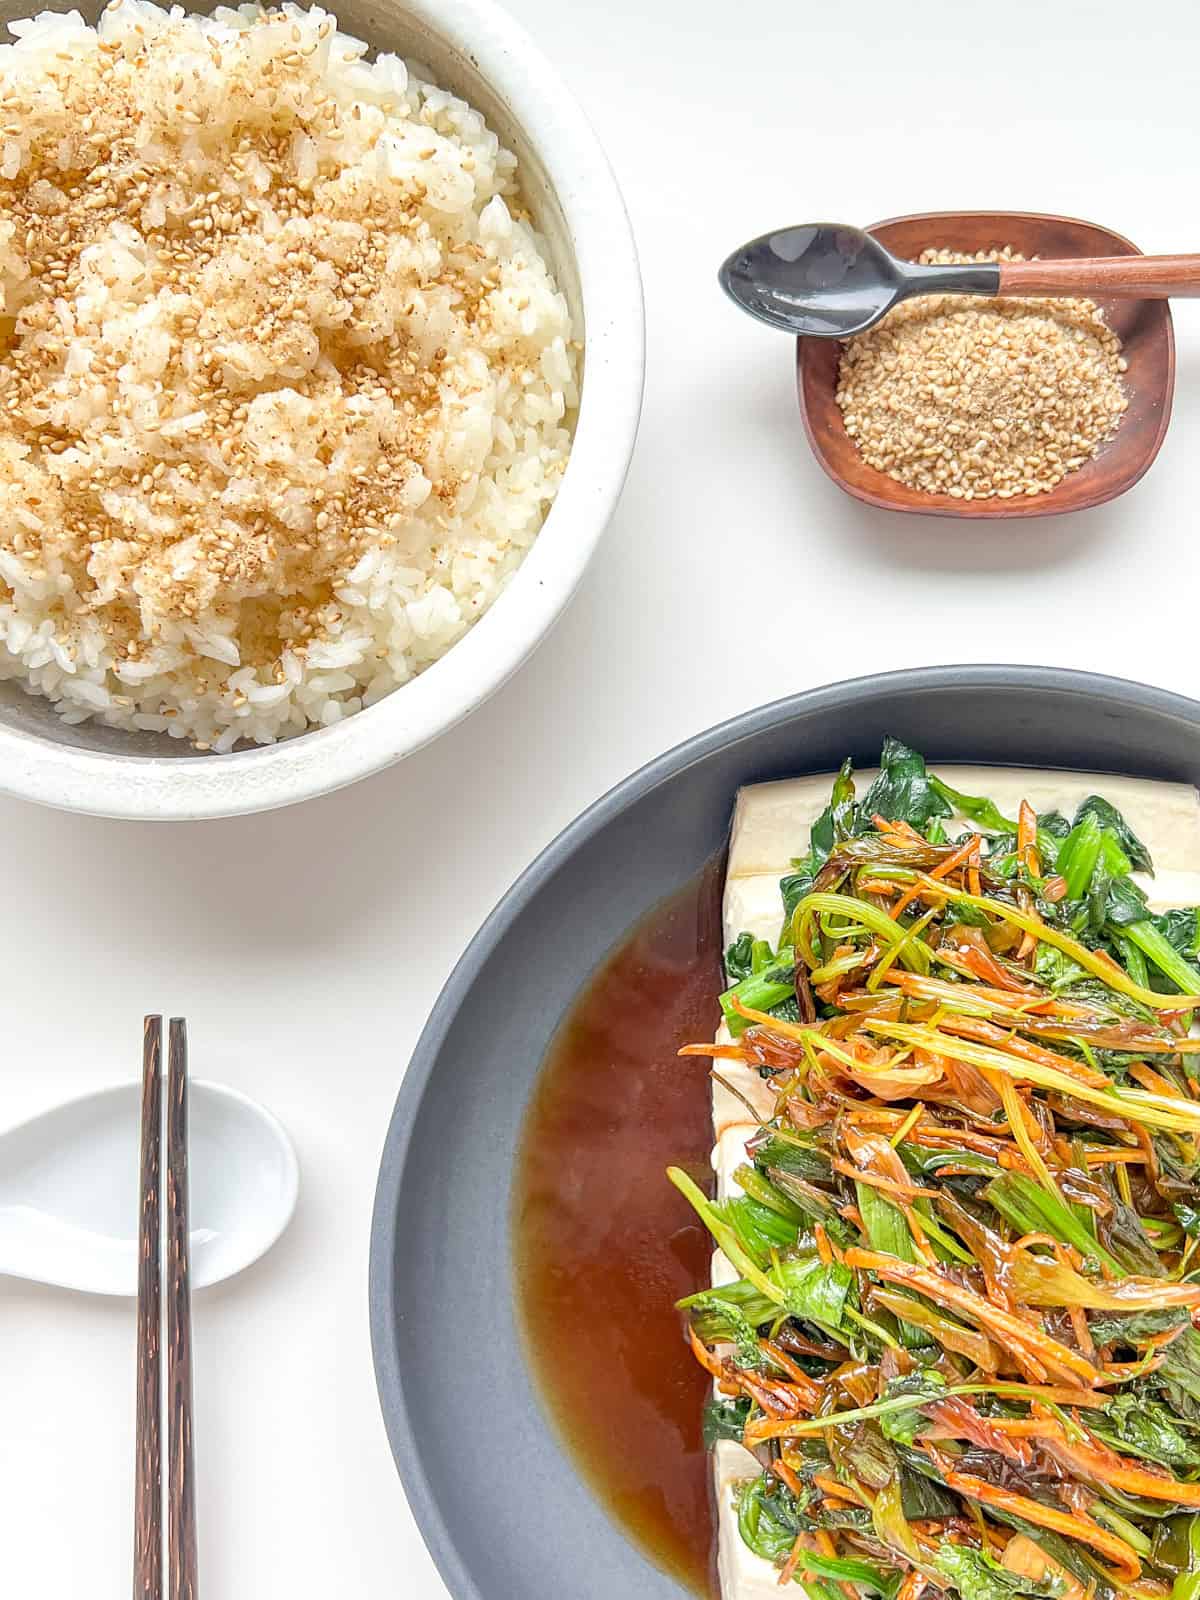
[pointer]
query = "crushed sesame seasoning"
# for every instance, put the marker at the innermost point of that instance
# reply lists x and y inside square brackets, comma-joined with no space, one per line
[975,397]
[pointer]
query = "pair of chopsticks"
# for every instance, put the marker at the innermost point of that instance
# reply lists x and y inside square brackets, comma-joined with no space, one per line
[164,1405]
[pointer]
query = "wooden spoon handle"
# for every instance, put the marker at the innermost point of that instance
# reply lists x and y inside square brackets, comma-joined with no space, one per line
[1117,277]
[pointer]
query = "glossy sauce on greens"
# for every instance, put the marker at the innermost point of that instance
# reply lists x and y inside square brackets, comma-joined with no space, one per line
[605,1246]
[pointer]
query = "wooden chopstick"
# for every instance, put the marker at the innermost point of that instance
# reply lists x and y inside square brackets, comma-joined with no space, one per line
[181,1497]
[147,1520]
[148,1561]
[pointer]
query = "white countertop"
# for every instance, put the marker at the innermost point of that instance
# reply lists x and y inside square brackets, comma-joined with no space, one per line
[306,946]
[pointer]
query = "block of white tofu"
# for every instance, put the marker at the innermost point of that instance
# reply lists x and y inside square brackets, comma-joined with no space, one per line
[771,823]
[729,1153]
[743,1575]
[732,1110]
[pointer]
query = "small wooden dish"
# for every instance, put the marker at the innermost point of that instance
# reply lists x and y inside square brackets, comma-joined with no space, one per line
[1147,339]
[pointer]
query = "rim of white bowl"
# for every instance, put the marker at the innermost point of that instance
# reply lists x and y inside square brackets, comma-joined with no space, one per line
[164,788]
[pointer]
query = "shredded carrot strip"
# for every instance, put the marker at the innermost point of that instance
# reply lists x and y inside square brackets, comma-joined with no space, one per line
[823,1251]
[1074,1525]
[1111,1468]
[875,1181]
[1149,1079]
[826,1547]
[1063,1254]
[913,1587]
[884,887]
[788,1570]
[704,1355]
[943,870]
[834,1504]
[830,1487]
[901,829]
[1027,1239]
[1027,839]
[1061,1150]
[797,1373]
[784,1473]
[1028,856]
[1108,1158]
[919,1236]
[1118,1371]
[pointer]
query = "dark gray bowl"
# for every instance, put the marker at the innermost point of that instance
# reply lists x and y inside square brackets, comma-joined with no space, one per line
[500,1505]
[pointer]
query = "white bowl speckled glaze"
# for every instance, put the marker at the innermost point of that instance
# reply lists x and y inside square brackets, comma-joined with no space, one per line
[475,49]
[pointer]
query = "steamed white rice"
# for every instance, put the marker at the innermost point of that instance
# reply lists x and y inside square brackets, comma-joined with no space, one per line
[286,382]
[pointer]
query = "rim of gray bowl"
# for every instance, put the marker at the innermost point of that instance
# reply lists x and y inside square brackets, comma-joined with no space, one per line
[171,788]
[383,1280]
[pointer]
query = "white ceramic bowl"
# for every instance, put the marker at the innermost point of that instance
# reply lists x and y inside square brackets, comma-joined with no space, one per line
[473,48]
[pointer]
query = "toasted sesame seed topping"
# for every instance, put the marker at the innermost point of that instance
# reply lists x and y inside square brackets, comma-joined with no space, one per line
[251,327]
[975,397]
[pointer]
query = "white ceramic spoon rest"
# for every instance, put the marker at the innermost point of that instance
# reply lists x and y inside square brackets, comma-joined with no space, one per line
[69,1189]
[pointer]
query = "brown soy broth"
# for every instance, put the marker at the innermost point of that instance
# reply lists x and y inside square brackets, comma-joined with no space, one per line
[604,1245]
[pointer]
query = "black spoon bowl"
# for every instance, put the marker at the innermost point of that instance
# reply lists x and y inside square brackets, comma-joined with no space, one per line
[825,280]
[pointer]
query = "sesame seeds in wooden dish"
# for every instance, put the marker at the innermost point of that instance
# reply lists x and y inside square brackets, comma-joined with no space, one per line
[1147,348]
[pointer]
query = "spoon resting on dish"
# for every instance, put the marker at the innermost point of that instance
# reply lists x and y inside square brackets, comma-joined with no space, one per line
[827,280]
